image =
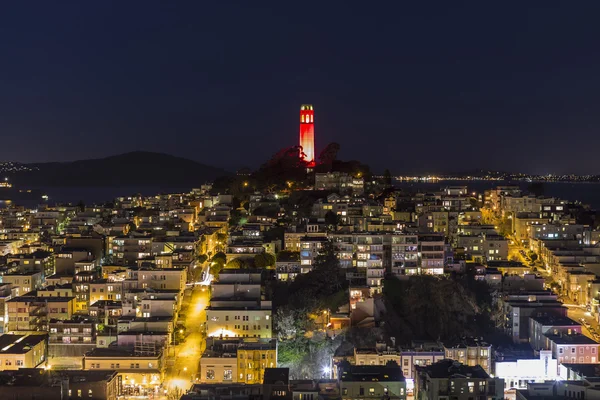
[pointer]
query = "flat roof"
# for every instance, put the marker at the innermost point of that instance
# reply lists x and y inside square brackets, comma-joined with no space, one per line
[450,368]
[557,320]
[571,339]
[19,344]
[116,352]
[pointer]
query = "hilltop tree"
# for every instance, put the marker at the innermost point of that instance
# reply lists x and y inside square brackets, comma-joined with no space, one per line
[329,154]
[387,178]
[285,165]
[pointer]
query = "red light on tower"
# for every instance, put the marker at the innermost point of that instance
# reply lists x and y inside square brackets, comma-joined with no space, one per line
[307,133]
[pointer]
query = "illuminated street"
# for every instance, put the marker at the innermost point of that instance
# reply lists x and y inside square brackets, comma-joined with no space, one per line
[576,313]
[182,374]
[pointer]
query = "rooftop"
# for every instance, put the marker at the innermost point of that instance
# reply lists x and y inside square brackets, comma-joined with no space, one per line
[445,369]
[19,344]
[463,343]
[370,373]
[571,339]
[557,320]
[115,352]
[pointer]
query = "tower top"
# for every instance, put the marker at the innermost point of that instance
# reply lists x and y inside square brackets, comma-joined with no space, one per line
[306,107]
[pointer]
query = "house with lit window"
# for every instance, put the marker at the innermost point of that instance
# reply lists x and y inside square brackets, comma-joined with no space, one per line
[372,381]
[237,360]
[553,325]
[432,254]
[448,379]
[573,349]
[236,306]
[22,351]
[405,254]
[69,340]
[141,369]
[155,278]
[32,313]
[309,249]
[32,383]
[126,250]
[471,352]
[24,282]
[40,261]
[340,182]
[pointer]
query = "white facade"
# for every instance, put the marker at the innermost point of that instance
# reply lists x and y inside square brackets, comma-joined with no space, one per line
[517,374]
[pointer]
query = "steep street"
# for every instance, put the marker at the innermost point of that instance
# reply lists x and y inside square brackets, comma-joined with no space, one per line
[181,375]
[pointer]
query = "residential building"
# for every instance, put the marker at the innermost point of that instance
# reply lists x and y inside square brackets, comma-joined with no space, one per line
[372,381]
[141,372]
[33,383]
[236,306]
[237,360]
[339,182]
[22,351]
[518,373]
[470,352]
[449,379]
[24,282]
[405,254]
[518,308]
[573,349]
[539,327]
[432,251]
[32,313]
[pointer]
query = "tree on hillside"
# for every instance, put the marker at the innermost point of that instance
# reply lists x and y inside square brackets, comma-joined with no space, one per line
[387,178]
[455,307]
[332,220]
[264,260]
[219,257]
[326,265]
[236,263]
[312,289]
[329,154]
[287,256]
[286,165]
[215,269]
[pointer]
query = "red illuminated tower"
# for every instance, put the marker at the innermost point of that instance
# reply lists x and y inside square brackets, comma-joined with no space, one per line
[307,133]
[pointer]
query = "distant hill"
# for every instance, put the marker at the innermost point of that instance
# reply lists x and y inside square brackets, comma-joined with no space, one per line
[137,168]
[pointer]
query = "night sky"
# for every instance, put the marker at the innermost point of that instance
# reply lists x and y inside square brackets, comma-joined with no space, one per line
[434,86]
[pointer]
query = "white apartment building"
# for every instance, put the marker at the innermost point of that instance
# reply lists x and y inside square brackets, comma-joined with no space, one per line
[236,307]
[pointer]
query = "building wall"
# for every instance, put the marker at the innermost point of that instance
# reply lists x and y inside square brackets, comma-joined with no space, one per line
[218,370]
[31,359]
[252,364]
[371,390]
[471,356]
[239,323]
[575,353]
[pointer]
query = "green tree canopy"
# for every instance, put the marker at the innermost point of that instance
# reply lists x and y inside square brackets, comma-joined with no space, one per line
[332,219]
[264,260]
[220,257]
[236,263]
[288,256]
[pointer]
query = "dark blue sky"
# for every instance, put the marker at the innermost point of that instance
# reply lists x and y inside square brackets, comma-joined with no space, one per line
[430,86]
